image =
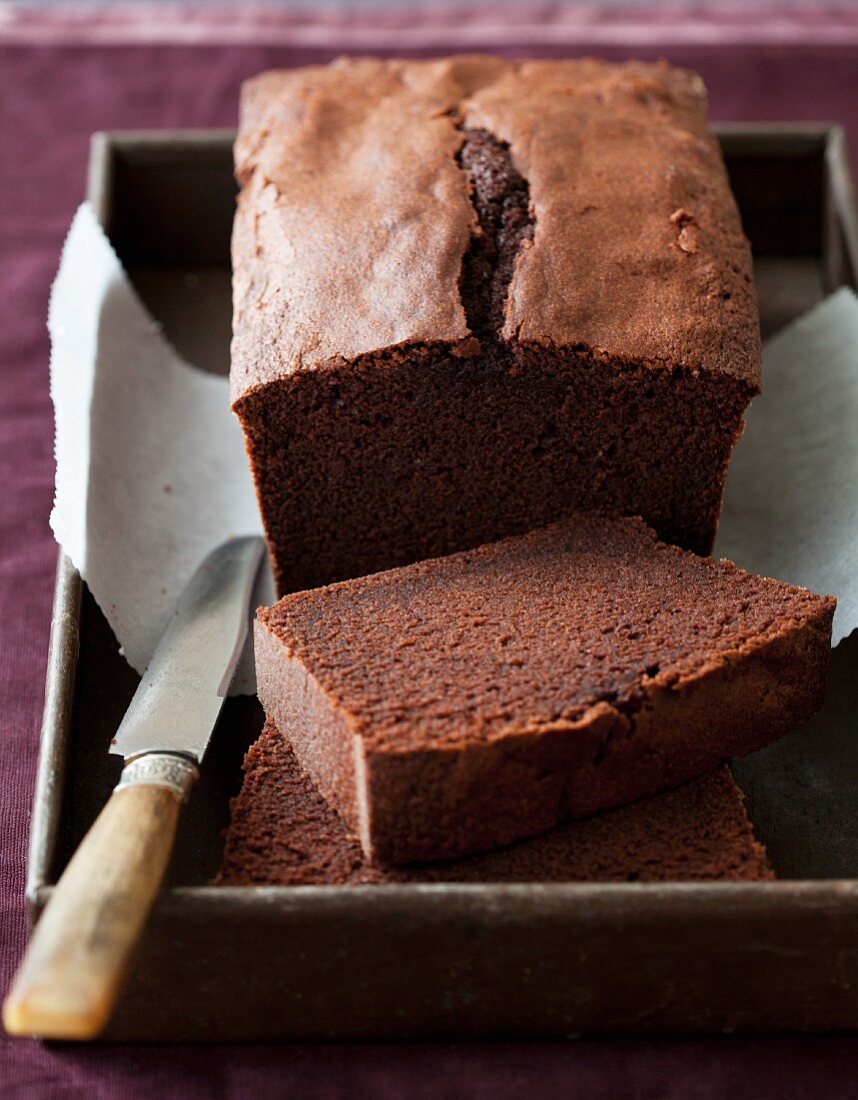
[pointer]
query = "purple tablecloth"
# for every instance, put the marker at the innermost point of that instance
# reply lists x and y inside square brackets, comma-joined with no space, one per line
[63,76]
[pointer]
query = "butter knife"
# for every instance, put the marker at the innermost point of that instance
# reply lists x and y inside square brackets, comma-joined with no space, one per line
[81,948]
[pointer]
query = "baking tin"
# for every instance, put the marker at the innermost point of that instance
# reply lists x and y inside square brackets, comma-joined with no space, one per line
[459,961]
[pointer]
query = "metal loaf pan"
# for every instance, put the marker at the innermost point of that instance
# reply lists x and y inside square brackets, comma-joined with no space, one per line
[221,964]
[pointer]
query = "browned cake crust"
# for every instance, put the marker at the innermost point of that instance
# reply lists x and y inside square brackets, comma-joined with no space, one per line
[283,833]
[465,702]
[471,295]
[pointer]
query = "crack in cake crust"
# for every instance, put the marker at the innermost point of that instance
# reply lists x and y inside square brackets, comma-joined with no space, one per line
[501,199]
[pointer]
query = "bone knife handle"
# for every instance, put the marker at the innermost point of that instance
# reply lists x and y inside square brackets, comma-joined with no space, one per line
[82,946]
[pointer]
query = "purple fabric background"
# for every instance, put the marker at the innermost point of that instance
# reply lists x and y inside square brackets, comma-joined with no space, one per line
[56,87]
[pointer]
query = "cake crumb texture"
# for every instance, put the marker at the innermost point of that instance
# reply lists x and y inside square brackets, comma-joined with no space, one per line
[283,833]
[467,701]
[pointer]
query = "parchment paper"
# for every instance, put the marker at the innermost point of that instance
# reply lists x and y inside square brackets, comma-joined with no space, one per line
[151,468]
[152,474]
[791,504]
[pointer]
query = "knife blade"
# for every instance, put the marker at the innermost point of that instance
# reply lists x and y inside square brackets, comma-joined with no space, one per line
[182,690]
[81,948]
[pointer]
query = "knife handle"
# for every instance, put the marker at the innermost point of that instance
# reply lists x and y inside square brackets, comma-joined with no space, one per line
[81,947]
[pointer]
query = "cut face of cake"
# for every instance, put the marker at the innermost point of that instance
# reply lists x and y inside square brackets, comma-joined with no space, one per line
[466,702]
[283,833]
[472,296]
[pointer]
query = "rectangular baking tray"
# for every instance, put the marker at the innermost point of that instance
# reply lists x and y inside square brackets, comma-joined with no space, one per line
[459,961]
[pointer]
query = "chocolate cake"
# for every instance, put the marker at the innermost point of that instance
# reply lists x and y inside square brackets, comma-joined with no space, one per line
[465,702]
[474,295]
[284,833]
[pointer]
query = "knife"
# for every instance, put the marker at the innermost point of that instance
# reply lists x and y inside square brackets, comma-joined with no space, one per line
[81,948]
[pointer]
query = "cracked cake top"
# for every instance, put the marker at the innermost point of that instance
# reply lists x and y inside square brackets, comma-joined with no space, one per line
[356,215]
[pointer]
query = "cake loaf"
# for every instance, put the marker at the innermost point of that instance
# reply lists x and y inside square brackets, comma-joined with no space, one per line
[283,833]
[472,296]
[465,702]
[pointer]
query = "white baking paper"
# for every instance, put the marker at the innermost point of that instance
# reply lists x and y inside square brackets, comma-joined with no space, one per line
[152,473]
[791,503]
[151,468]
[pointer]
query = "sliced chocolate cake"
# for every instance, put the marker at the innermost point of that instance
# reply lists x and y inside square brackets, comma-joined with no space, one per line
[283,833]
[465,702]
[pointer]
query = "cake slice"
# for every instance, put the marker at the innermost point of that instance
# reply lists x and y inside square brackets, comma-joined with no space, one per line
[473,295]
[465,702]
[283,833]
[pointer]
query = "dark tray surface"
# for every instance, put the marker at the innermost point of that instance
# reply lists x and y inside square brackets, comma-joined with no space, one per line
[464,961]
